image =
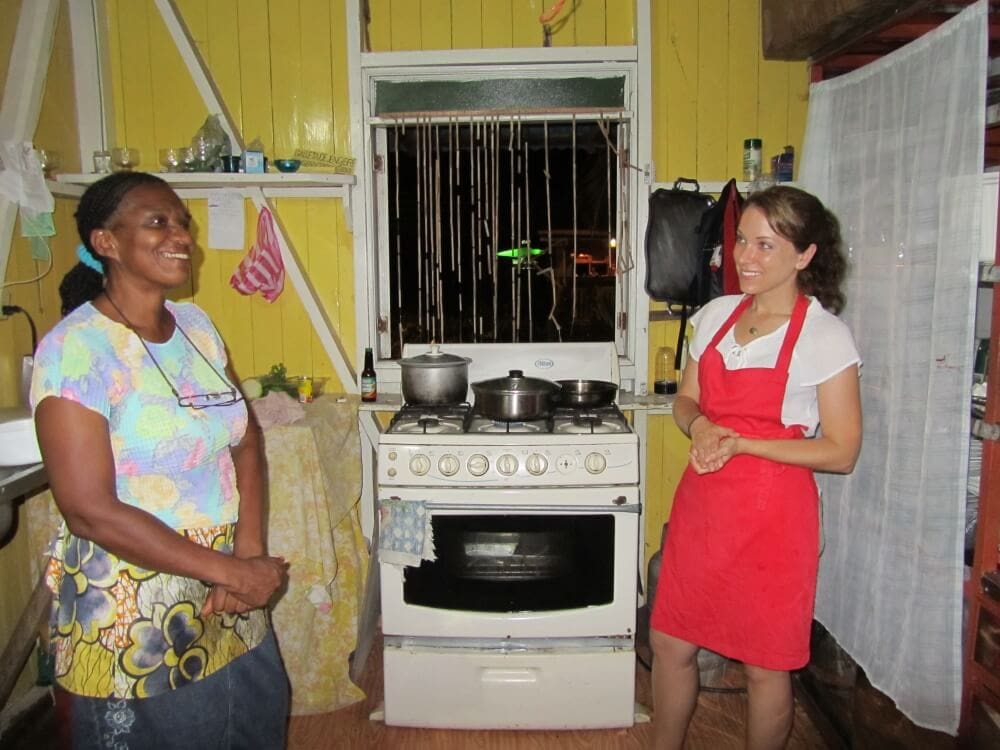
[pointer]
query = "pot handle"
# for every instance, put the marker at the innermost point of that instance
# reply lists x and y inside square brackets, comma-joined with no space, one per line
[516,373]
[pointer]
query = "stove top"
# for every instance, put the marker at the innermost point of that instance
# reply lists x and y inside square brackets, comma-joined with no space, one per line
[454,419]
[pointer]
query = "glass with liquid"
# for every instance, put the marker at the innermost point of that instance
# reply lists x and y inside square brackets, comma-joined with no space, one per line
[665,378]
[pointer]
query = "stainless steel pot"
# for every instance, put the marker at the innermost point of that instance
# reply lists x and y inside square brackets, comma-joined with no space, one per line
[434,378]
[586,393]
[515,398]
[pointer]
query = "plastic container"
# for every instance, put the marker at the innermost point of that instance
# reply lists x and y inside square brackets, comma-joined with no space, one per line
[752,150]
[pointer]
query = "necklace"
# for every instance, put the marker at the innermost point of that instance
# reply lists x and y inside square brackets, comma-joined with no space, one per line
[753,331]
[223,398]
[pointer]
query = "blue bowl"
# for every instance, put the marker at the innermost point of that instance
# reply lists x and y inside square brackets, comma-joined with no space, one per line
[287,165]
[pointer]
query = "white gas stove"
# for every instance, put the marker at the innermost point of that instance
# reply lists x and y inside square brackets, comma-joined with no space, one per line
[526,613]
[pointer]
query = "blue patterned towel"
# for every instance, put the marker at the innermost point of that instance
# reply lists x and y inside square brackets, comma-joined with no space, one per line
[405,535]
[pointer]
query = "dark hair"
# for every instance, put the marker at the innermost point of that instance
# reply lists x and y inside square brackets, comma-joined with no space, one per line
[803,220]
[98,204]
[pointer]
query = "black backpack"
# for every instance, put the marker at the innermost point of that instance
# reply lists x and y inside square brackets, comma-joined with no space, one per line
[685,232]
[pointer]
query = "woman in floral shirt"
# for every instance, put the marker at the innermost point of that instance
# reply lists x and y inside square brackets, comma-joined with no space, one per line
[160,576]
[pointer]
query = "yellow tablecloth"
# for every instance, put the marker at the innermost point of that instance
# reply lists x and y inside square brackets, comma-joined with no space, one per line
[314,476]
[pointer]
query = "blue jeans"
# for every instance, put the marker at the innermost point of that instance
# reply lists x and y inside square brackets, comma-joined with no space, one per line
[243,706]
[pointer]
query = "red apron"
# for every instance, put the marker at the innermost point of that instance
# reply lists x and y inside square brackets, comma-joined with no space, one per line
[739,566]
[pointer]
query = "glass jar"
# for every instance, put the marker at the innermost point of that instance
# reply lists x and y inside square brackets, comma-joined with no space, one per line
[665,377]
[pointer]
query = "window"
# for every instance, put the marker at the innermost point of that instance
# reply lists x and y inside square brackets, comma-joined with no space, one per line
[502,204]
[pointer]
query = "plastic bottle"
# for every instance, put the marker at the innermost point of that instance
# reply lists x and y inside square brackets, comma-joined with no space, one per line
[752,158]
[369,384]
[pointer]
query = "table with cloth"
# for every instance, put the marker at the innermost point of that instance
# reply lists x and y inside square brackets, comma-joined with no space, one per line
[314,480]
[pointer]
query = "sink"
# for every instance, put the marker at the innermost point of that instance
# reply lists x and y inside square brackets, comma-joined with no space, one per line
[18,444]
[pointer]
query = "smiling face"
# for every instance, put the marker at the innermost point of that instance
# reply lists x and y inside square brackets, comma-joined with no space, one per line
[766,261]
[147,241]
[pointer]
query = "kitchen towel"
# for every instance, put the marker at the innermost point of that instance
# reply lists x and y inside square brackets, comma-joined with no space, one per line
[405,534]
[261,269]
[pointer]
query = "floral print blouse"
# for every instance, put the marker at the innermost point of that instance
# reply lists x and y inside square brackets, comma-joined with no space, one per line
[118,629]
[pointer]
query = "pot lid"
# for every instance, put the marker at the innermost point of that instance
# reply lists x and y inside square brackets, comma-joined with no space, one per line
[515,382]
[435,358]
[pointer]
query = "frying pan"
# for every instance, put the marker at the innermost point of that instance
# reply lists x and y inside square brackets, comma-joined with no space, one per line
[591,393]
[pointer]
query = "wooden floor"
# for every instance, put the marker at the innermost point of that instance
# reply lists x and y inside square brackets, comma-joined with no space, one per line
[717,725]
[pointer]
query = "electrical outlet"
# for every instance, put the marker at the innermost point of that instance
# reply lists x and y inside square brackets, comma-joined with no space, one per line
[5,299]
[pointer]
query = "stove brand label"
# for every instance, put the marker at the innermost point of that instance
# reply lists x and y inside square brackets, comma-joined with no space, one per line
[544,364]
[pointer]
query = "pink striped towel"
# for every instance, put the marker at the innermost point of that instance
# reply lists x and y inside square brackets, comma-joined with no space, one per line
[262,268]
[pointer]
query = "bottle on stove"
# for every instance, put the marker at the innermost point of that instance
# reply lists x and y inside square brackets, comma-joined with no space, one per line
[369,384]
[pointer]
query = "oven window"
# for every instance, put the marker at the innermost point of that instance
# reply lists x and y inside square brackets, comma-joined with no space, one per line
[516,563]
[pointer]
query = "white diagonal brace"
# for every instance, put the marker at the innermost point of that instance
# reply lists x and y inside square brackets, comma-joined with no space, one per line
[91,76]
[196,66]
[310,300]
[22,95]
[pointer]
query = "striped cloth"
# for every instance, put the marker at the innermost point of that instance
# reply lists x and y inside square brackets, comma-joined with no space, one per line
[262,268]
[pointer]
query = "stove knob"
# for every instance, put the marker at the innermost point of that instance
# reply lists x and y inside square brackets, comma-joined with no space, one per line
[392,455]
[449,465]
[536,464]
[595,463]
[420,464]
[507,465]
[478,464]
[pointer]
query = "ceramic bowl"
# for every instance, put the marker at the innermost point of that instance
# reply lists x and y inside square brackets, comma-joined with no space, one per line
[287,165]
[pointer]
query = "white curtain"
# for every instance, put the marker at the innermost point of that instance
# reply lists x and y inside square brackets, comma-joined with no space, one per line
[895,149]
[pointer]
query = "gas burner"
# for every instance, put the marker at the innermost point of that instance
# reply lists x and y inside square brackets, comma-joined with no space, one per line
[422,419]
[599,421]
[506,427]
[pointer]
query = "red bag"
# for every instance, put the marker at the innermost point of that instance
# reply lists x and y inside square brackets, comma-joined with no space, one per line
[262,269]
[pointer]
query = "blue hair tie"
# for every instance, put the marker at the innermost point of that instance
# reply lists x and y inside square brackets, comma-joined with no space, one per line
[87,258]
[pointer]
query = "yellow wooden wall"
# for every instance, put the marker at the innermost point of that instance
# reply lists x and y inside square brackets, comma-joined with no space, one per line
[711,90]
[282,68]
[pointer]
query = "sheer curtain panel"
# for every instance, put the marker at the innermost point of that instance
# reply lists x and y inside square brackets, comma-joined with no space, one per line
[895,149]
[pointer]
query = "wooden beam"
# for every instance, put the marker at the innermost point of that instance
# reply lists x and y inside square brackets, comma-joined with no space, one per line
[91,77]
[803,29]
[22,95]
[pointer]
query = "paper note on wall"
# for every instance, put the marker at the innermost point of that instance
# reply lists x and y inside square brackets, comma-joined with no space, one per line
[226,223]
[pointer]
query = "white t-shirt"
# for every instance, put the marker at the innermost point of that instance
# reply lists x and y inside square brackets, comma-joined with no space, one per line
[825,348]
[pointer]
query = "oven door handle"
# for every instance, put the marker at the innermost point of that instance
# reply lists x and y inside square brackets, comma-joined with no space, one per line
[554,509]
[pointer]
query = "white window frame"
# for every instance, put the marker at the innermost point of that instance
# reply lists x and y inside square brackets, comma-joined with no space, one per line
[372,189]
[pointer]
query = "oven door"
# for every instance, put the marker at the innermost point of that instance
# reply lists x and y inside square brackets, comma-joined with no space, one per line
[525,563]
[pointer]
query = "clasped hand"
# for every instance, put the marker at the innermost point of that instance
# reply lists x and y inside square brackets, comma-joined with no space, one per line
[712,445]
[255,581]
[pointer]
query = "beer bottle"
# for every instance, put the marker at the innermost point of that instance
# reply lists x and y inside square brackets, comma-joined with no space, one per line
[369,386]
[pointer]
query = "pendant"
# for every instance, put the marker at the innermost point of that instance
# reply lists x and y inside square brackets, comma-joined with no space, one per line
[753,331]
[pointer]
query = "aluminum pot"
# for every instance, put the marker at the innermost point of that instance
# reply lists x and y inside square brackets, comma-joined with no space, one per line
[586,393]
[434,378]
[515,398]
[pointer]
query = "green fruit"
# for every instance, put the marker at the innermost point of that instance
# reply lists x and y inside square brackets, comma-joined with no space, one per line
[252,388]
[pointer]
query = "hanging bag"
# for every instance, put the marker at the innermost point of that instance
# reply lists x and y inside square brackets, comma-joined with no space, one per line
[689,245]
[262,269]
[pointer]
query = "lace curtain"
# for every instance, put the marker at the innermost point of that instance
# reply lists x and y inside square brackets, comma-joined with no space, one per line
[895,149]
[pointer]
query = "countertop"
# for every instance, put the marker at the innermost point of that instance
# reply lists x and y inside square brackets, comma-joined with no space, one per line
[16,481]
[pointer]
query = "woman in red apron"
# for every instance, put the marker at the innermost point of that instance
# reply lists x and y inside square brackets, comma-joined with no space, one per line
[739,567]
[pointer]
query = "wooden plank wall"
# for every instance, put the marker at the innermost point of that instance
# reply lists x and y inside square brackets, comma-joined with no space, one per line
[281,66]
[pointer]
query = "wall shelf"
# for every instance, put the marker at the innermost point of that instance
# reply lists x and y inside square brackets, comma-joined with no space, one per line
[199,184]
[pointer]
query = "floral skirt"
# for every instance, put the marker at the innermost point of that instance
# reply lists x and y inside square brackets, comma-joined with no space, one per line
[123,631]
